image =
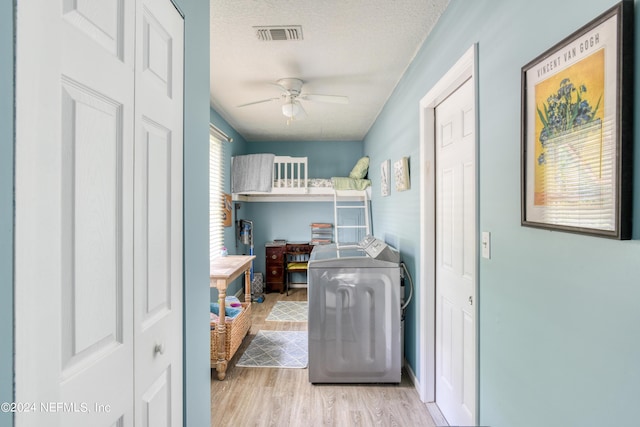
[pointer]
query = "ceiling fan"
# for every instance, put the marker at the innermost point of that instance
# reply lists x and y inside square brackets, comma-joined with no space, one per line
[292,95]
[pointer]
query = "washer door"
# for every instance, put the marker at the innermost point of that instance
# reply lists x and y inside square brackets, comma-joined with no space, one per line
[354,325]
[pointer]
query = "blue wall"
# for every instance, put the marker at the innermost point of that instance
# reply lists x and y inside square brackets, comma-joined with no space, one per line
[284,220]
[558,312]
[6,207]
[197,374]
[326,158]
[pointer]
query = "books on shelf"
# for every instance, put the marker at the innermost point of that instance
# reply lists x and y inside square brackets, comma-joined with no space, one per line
[321,233]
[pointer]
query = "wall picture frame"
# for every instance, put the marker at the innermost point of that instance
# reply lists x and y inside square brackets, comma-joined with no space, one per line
[385,178]
[576,138]
[401,173]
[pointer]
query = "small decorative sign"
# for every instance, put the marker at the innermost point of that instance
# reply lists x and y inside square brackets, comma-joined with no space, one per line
[226,210]
[385,178]
[401,173]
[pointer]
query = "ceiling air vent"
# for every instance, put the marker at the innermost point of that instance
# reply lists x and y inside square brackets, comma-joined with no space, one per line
[288,32]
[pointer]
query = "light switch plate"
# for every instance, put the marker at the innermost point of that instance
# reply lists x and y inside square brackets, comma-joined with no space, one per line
[486,245]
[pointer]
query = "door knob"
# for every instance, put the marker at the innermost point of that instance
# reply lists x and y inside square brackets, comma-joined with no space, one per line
[470,300]
[158,348]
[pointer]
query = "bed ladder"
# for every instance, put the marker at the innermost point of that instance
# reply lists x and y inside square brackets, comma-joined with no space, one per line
[345,204]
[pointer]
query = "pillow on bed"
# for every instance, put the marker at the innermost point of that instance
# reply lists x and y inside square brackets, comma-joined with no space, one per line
[361,168]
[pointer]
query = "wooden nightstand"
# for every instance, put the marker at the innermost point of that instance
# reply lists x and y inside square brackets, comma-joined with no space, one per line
[275,255]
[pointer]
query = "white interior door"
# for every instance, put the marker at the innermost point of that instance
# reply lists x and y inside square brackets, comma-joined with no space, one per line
[456,256]
[158,214]
[74,212]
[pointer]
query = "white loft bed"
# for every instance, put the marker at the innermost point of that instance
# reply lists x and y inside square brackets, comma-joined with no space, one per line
[291,183]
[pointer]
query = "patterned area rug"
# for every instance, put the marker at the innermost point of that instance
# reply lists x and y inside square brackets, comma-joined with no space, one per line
[289,311]
[276,349]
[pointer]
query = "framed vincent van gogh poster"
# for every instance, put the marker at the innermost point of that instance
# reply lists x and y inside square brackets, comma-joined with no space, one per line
[577,130]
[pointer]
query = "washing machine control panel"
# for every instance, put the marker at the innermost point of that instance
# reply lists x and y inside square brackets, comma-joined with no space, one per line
[367,241]
[377,249]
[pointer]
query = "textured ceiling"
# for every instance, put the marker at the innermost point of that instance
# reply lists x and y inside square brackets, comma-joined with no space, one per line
[353,48]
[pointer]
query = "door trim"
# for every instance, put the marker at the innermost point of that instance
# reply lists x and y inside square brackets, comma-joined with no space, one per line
[465,68]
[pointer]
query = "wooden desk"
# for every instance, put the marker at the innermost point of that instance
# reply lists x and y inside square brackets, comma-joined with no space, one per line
[223,271]
[277,254]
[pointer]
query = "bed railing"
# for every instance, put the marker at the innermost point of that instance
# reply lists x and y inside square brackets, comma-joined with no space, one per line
[290,172]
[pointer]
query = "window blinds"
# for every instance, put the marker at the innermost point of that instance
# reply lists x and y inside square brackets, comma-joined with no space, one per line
[216,196]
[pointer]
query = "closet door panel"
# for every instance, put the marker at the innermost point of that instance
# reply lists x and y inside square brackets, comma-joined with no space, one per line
[74,212]
[158,214]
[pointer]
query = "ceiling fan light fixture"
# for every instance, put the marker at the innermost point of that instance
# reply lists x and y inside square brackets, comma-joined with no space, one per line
[291,109]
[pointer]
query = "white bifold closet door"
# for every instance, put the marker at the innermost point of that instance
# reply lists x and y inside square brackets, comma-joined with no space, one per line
[98,242]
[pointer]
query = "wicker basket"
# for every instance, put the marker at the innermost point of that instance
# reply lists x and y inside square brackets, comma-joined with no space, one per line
[237,329]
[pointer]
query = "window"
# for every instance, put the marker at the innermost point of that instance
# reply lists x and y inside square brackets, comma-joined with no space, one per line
[216,196]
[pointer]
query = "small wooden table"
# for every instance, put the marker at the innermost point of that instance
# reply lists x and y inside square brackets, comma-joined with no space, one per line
[223,271]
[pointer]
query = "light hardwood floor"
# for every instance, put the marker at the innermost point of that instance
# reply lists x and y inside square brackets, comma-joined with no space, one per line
[285,397]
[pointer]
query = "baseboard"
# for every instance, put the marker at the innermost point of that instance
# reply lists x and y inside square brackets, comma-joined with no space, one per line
[414,379]
[412,375]
[433,409]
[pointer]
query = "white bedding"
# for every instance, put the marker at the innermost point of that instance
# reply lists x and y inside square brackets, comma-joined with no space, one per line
[311,183]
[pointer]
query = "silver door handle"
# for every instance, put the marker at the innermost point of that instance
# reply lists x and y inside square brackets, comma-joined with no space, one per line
[470,300]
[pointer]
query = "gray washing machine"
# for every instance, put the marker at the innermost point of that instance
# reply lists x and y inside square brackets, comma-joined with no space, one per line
[354,314]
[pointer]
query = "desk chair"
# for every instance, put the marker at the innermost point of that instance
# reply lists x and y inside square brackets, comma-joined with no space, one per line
[296,261]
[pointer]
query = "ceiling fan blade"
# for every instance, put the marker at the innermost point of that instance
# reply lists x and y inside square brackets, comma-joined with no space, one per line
[259,102]
[332,99]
